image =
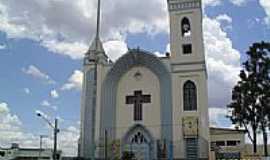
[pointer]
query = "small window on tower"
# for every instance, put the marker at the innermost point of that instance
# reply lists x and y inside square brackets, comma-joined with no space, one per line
[187,48]
[186,28]
[232,143]
[220,143]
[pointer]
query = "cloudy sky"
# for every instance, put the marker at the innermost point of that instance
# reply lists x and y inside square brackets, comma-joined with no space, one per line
[42,44]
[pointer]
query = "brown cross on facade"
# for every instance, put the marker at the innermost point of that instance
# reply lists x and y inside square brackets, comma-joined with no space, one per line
[138,100]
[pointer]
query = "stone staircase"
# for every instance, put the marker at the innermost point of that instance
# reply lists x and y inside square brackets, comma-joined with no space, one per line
[192,148]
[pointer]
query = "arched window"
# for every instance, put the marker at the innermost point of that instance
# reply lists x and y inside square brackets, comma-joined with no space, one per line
[138,138]
[186,28]
[190,96]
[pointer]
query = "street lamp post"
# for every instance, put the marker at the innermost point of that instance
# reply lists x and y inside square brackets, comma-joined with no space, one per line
[55,131]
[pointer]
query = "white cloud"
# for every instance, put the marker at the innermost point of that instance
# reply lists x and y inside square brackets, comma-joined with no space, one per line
[74,50]
[219,2]
[223,62]
[54,94]
[115,49]
[215,114]
[27,91]
[68,140]
[225,21]
[54,107]
[239,2]
[217,117]
[168,48]
[45,103]
[3,108]
[158,54]
[3,46]
[7,119]
[11,127]
[68,32]
[74,82]
[266,6]
[254,22]
[211,2]
[224,18]
[36,73]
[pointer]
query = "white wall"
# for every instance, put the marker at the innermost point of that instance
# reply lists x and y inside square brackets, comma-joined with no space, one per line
[149,84]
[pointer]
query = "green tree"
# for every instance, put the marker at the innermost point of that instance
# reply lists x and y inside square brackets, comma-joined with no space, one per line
[263,49]
[128,155]
[250,97]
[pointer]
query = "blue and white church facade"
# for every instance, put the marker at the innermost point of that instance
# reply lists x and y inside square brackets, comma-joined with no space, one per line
[146,106]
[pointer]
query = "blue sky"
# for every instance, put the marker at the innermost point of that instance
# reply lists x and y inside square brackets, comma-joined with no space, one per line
[41,46]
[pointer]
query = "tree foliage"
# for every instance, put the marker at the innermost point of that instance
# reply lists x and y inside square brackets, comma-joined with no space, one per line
[250,104]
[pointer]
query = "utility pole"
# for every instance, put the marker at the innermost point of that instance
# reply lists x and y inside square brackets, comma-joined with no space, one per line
[40,144]
[106,144]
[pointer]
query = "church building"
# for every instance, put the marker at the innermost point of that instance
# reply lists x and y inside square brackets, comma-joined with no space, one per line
[144,106]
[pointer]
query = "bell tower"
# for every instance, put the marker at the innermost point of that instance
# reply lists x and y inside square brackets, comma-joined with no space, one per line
[189,80]
[186,31]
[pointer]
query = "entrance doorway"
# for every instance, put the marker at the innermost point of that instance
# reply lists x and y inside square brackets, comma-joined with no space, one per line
[138,143]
